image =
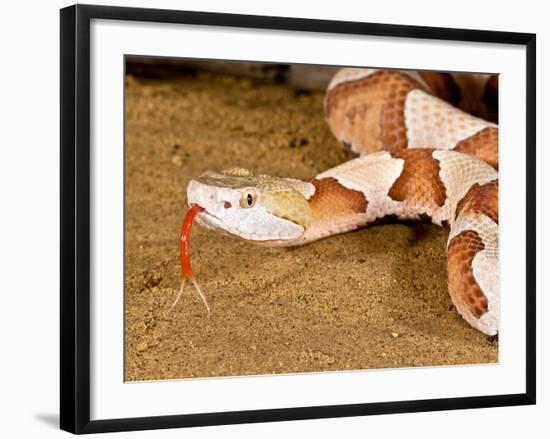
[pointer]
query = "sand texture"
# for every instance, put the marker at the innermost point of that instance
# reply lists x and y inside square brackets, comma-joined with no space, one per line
[375,298]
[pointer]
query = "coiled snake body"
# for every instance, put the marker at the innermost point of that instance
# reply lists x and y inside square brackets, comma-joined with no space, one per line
[420,158]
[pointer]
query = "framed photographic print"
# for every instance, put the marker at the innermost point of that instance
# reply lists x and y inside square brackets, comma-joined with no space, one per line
[268,218]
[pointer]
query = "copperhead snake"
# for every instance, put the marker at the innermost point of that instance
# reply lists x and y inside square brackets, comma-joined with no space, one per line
[420,158]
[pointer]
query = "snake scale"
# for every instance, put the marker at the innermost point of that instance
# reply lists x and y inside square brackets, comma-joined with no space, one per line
[420,157]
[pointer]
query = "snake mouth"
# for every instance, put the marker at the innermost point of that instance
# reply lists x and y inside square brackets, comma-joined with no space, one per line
[212,222]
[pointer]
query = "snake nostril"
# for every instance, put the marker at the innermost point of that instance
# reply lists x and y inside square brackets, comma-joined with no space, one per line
[227,204]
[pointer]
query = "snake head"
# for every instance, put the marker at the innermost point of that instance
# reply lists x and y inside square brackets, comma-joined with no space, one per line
[256,208]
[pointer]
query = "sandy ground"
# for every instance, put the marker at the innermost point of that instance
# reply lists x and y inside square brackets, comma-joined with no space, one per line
[374,298]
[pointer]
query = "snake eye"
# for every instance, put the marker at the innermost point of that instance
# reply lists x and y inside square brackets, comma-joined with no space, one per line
[248,199]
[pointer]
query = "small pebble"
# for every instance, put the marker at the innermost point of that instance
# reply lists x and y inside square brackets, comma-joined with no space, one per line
[176,160]
[142,346]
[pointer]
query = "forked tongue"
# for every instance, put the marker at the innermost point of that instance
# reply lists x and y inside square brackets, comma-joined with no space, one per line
[186,272]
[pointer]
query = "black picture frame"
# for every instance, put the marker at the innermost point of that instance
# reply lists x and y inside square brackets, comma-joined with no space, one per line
[75,217]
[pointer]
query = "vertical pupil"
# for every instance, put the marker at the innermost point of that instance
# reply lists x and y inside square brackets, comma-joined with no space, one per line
[249,199]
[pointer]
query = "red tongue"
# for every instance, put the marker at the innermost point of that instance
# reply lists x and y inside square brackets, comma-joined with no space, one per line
[184,240]
[186,272]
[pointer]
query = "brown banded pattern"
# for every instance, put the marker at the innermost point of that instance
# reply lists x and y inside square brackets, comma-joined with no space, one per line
[331,199]
[481,200]
[463,287]
[368,113]
[482,145]
[419,183]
